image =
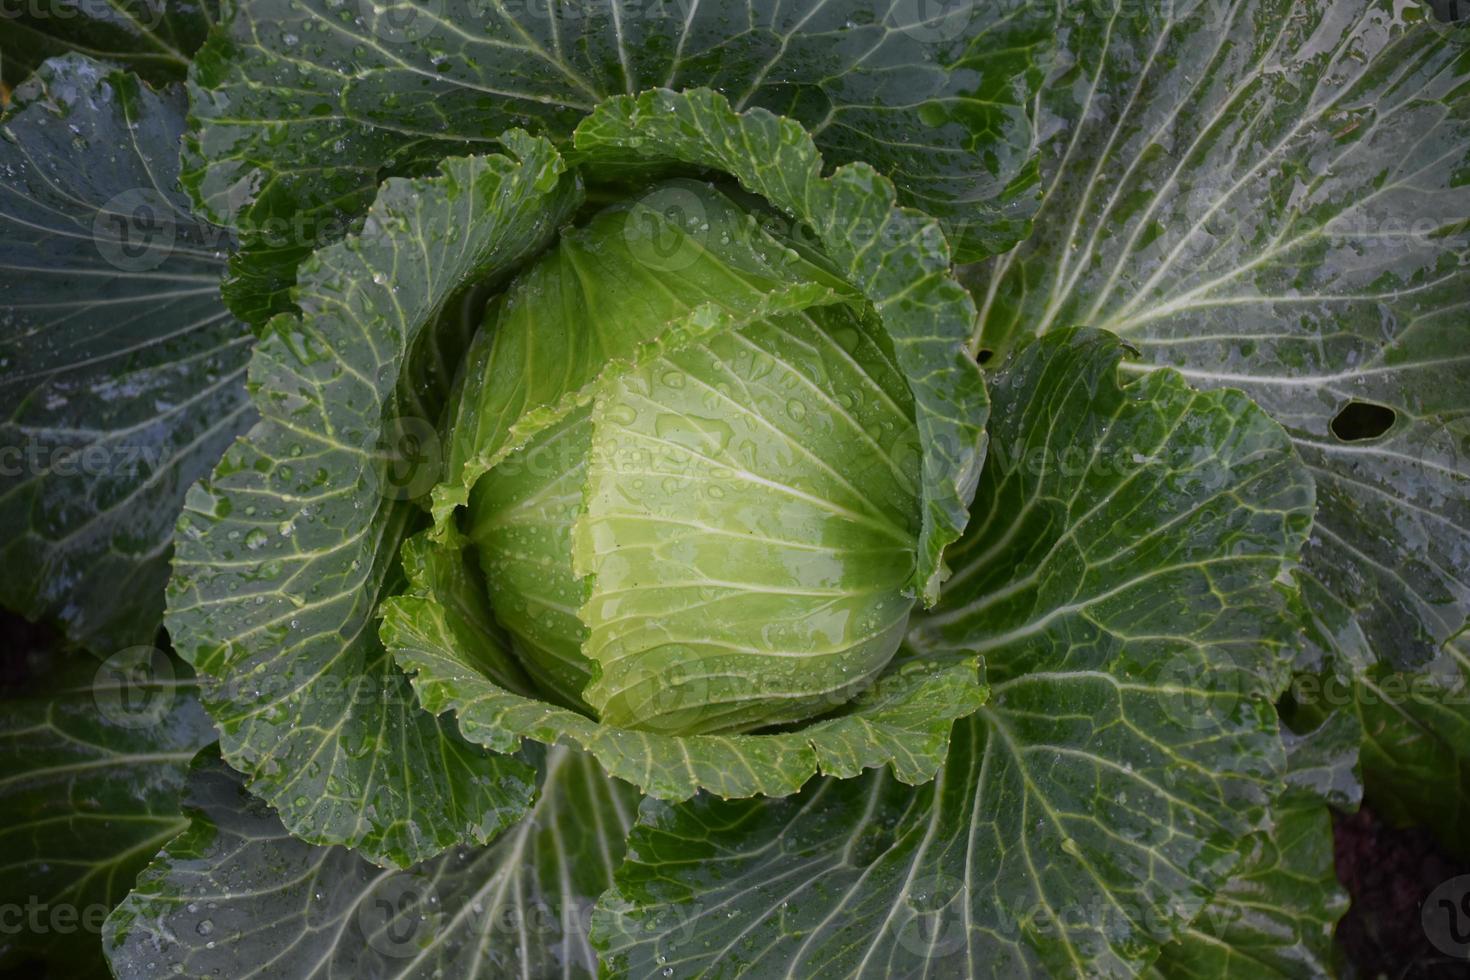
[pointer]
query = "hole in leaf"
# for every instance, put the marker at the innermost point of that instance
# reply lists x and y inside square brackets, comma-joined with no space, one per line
[984,354]
[1362,420]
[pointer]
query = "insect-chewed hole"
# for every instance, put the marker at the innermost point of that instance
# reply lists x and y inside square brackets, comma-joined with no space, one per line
[984,354]
[1362,420]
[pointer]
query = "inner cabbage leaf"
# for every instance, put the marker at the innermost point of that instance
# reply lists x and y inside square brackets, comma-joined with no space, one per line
[836,249]
[750,554]
[725,538]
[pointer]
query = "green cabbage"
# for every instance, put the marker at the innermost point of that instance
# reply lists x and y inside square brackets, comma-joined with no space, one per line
[723,538]
[687,489]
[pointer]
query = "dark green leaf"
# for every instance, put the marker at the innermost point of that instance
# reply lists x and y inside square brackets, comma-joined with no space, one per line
[1272,195]
[121,372]
[1416,743]
[236,895]
[155,38]
[937,96]
[1275,917]
[94,759]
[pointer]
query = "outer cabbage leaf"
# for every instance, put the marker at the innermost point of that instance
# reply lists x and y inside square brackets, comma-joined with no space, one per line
[1272,195]
[897,258]
[1325,762]
[1276,916]
[121,372]
[283,553]
[154,39]
[235,894]
[938,98]
[94,759]
[1120,580]
[1416,742]
[440,629]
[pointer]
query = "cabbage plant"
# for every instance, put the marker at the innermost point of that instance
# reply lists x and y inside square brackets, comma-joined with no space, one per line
[675,489]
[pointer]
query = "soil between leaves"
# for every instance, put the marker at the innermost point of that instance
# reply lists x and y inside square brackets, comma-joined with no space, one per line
[1389,873]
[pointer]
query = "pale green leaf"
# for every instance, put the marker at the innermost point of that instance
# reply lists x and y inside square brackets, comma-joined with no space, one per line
[677,262]
[897,258]
[750,527]
[902,720]
[618,295]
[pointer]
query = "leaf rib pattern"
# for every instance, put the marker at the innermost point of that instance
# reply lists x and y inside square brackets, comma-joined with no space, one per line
[123,371]
[1086,814]
[284,553]
[235,894]
[1269,196]
[95,761]
[942,104]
